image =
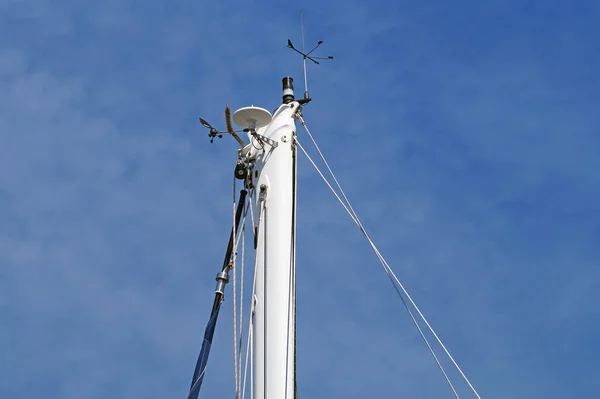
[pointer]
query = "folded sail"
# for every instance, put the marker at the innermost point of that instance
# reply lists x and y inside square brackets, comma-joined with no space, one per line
[204,352]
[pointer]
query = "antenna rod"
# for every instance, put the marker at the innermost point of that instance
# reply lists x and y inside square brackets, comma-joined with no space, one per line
[306,96]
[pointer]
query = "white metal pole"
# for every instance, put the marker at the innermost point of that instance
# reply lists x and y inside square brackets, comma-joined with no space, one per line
[274,309]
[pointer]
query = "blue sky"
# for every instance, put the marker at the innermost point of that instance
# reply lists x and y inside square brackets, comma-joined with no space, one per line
[465,133]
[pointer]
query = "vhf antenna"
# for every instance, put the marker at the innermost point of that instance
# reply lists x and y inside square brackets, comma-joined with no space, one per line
[306,56]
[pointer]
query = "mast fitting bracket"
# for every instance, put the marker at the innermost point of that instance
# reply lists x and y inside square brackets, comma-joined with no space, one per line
[262,196]
[222,280]
[264,139]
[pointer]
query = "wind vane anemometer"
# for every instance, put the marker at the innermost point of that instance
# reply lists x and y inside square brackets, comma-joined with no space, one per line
[307,56]
[219,133]
[250,118]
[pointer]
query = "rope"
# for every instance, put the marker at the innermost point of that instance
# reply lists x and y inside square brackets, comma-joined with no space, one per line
[250,343]
[238,340]
[243,234]
[382,260]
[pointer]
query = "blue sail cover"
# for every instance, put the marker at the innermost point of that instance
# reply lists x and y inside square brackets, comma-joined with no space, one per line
[203,357]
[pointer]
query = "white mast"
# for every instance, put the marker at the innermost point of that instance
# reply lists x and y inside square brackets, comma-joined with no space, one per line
[273,176]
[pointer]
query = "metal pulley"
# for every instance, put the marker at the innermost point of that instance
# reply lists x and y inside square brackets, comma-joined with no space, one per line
[241,171]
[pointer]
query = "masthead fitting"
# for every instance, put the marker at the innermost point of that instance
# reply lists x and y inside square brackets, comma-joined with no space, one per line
[288,89]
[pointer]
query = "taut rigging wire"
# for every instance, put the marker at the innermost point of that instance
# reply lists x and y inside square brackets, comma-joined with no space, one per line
[392,276]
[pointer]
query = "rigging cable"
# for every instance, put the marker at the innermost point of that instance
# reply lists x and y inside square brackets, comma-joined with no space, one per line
[263,215]
[387,273]
[234,299]
[294,228]
[250,342]
[383,262]
[238,341]
[291,305]
[241,335]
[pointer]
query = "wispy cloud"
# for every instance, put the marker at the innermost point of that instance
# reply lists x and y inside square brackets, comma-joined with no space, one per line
[466,137]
